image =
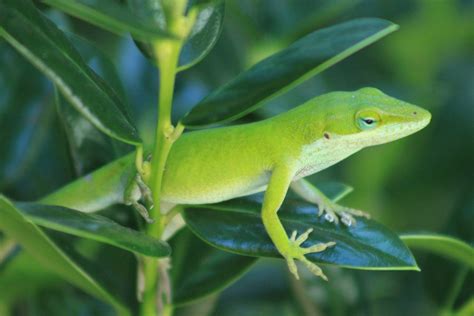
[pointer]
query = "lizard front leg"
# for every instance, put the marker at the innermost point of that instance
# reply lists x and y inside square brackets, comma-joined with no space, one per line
[330,209]
[289,248]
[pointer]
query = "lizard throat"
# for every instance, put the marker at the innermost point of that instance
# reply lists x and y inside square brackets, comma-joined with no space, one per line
[324,153]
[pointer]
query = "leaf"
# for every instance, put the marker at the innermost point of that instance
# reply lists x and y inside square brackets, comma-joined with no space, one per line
[236,226]
[23,116]
[111,16]
[23,277]
[47,48]
[102,64]
[286,69]
[54,255]
[90,148]
[93,227]
[202,37]
[335,191]
[199,270]
[445,246]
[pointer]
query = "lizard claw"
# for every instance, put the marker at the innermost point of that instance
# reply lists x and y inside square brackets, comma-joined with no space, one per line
[302,238]
[334,213]
[292,267]
[295,251]
[142,210]
[145,191]
[138,191]
[314,269]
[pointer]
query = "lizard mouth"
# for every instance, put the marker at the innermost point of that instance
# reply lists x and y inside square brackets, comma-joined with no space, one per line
[396,131]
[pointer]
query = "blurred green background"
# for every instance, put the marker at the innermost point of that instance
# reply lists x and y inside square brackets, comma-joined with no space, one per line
[422,183]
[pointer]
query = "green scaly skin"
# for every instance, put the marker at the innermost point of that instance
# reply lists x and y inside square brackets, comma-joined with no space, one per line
[215,165]
[219,164]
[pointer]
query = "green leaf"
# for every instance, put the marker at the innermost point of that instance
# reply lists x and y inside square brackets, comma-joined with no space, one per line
[89,147]
[111,16]
[93,227]
[335,191]
[445,246]
[288,68]
[23,277]
[202,37]
[47,48]
[199,270]
[24,117]
[236,226]
[102,64]
[54,255]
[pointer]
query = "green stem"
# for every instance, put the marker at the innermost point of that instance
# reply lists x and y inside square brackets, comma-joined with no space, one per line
[167,55]
[455,289]
[168,310]
[6,247]
[166,134]
[139,159]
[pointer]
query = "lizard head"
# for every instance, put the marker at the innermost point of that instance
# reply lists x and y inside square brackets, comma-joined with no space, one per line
[369,117]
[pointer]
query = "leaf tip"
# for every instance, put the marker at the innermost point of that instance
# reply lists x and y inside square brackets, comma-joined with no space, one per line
[394,27]
[167,251]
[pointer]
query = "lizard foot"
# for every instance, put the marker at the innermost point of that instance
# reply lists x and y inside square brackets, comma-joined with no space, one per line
[138,190]
[295,251]
[334,212]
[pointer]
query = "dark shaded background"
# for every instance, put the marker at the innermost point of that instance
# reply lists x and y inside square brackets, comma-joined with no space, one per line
[422,183]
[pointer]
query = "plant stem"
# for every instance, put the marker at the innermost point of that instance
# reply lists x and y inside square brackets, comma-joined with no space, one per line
[168,310]
[300,293]
[6,247]
[455,290]
[167,55]
[166,134]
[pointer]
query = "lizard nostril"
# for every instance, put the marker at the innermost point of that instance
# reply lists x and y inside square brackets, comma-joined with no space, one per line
[414,113]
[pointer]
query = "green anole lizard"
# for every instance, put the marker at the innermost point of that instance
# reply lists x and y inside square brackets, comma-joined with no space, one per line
[219,164]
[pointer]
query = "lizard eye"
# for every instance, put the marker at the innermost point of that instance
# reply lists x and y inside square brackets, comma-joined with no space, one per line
[366,120]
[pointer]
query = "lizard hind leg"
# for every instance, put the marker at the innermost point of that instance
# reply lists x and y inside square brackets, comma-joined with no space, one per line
[137,190]
[335,212]
[332,211]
